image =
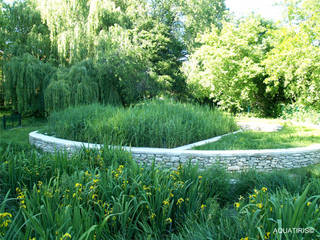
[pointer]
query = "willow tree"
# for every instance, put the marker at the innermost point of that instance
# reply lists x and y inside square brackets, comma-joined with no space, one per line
[99,31]
[117,74]
[74,86]
[75,25]
[24,40]
[124,68]
[57,96]
[25,80]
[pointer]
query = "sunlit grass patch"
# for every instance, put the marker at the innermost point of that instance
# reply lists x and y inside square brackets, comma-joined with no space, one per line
[288,137]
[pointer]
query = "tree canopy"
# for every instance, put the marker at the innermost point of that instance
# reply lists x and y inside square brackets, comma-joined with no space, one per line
[255,63]
[293,64]
[227,67]
[71,52]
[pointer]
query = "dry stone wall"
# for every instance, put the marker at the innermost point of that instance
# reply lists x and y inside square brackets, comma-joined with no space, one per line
[233,160]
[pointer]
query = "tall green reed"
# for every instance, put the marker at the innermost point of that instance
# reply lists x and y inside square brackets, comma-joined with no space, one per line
[155,123]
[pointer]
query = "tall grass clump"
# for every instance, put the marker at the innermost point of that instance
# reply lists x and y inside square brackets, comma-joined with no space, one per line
[165,123]
[155,123]
[74,122]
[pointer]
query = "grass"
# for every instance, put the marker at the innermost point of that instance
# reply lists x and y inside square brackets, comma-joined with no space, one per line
[20,135]
[156,123]
[288,137]
[105,195]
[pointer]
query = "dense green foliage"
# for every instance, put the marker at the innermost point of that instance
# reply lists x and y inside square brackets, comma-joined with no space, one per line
[96,60]
[28,79]
[157,123]
[104,51]
[258,64]
[105,195]
[22,31]
[121,52]
[1,84]
[227,67]
[293,64]
[301,113]
[288,137]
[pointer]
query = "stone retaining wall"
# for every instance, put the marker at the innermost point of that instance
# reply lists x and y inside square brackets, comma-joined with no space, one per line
[233,160]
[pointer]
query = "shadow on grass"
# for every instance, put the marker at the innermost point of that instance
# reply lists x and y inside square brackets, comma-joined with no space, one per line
[20,135]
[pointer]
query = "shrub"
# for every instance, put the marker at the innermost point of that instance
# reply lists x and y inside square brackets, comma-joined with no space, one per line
[300,113]
[226,68]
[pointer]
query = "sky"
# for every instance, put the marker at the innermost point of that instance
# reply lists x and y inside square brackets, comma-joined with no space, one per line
[266,8]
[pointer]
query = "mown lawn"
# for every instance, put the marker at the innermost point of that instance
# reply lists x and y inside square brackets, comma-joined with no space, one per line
[20,135]
[288,137]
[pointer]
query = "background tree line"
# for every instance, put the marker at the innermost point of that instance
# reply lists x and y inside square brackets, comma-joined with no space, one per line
[116,51]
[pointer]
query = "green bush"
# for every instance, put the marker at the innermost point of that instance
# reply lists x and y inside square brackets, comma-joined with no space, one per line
[156,123]
[300,113]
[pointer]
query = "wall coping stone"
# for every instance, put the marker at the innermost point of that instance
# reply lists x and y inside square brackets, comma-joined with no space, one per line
[232,160]
[172,151]
[203,142]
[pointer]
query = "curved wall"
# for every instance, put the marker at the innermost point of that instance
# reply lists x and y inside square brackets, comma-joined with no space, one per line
[233,160]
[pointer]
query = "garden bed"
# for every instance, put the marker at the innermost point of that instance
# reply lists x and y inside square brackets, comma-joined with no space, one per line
[285,156]
[157,123]
[103,194]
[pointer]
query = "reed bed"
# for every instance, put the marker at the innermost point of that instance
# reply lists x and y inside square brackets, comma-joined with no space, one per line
[155,123]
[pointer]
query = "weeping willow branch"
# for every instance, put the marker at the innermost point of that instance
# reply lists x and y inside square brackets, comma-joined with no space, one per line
[26,78]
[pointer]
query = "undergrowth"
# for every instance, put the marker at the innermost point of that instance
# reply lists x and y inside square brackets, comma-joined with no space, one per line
[104,194]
